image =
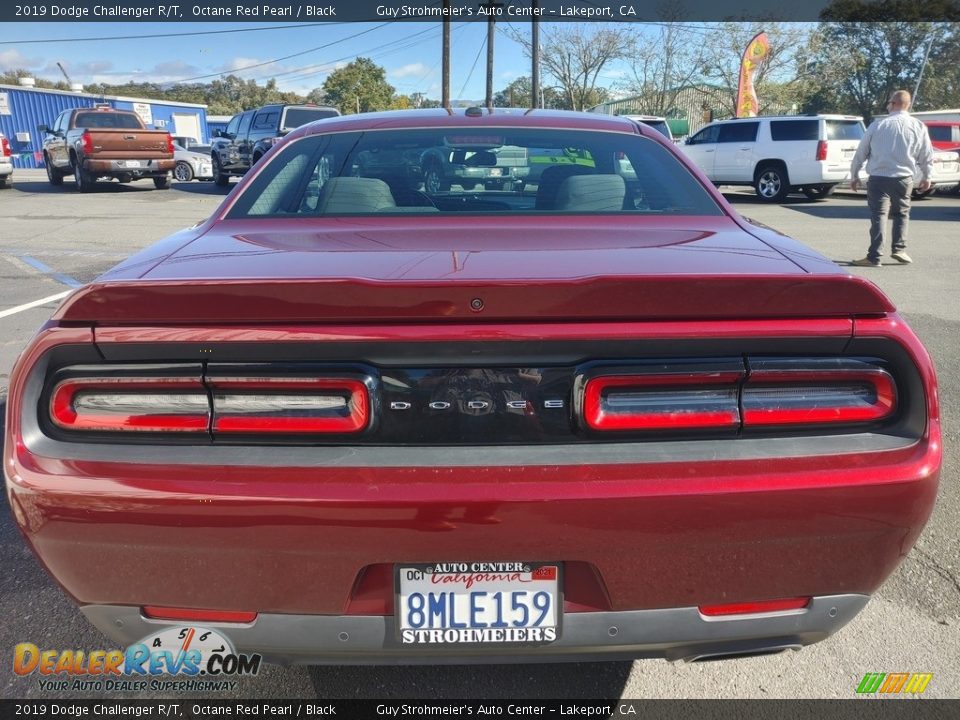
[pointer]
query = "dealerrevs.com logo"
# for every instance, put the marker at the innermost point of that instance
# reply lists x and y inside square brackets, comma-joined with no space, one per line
[198,658]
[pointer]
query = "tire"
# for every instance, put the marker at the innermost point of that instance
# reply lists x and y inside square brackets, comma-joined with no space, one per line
[220,179]
[4,180]
[816,192]
[82,180]
[771,183]
[183,172]
[54,176]
[162,183]
[433,181]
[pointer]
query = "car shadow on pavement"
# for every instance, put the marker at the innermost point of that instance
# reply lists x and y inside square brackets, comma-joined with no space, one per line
[918,211]
[67,187]
[197,187]
[441,682]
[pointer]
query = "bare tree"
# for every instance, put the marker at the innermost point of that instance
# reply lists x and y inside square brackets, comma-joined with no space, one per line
[574,55]
[662,65]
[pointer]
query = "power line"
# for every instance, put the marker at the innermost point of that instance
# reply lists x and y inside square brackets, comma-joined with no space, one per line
[164,35]
[472,68]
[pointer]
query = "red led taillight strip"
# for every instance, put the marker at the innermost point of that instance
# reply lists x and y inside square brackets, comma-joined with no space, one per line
[214,616]
[801,396]
[662,401]
[753,608]
[131,404]
[289,405]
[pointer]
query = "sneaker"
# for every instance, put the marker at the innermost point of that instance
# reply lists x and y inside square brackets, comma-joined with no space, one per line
[901,256]
[866,262]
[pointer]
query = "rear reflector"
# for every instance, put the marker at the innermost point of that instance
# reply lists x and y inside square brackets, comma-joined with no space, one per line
[662,401]
[801,396]
[131,404]
[289,405]
[753,608]
[213,616]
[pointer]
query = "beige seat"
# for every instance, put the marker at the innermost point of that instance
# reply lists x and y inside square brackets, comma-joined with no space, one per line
[591,193]
[355,195]
[550,182]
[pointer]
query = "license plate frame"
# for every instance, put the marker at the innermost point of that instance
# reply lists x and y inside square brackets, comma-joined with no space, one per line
[510,636]
[131,164]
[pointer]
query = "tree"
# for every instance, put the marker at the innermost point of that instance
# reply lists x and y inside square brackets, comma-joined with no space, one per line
[779,80]
[867,50]
[574,55]
[360,86]
[518,94]
[664,65]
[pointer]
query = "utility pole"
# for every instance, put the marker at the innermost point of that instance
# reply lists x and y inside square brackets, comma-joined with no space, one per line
[445,92]
[535,71]
[916,88]
[493,8]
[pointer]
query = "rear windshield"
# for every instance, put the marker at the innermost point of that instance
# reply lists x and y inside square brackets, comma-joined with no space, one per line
[658,125]
[940,133]
[127,121]
[489,171]
[844,130]
[295,117]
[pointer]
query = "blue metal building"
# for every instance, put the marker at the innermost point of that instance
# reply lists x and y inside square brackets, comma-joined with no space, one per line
[22,109]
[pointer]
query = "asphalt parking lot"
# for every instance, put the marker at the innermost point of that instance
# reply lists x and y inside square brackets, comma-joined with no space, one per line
[52,239]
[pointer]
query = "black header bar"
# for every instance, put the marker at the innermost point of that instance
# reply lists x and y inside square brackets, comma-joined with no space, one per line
[615,11]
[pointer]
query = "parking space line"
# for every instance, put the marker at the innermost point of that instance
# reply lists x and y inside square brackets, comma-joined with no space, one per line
[50,272]
[35,303]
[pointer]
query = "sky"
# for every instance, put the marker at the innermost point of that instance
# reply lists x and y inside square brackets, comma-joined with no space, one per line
[299,57]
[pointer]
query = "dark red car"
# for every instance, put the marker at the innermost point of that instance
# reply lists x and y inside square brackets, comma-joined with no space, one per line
[350,420]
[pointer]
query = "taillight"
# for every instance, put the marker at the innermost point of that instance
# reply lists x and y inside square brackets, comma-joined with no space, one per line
[170,148]
[289,405]
[87,142]
[5,147]
[686,399]
[822,150]
[753,608]
[781,393]
[789,392]
[189,614]
[130,404]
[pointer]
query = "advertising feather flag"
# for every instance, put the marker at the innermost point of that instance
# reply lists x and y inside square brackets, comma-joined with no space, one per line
[757,49]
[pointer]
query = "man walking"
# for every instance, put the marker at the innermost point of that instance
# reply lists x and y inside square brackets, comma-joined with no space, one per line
[896,149]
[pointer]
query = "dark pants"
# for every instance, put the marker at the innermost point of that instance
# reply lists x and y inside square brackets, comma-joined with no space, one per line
[888,196]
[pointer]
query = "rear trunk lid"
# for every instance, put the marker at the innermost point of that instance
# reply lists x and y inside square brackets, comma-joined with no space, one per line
[476,269]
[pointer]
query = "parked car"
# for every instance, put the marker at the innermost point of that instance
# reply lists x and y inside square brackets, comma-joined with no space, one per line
[944,177]
[778,155]
[944,134]
[338,423]
[193,164]
[6,162]
[251,134]
[91,143]
[657,123]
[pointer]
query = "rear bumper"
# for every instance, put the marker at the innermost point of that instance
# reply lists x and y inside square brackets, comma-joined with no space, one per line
[673,634]
[122,167]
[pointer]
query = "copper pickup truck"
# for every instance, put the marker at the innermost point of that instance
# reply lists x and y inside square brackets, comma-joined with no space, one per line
[91,143]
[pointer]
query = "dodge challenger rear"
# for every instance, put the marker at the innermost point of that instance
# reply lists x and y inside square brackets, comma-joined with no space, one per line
[354,418]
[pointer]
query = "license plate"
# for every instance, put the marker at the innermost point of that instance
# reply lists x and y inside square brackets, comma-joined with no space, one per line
[132,163]
[496,172]
[478,603]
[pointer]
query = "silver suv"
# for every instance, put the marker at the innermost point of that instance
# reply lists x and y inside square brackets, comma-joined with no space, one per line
[778,155]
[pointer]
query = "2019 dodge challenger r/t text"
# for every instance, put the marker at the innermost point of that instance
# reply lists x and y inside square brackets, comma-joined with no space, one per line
[354,419]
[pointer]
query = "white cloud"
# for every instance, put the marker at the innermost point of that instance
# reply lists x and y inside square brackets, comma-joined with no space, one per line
[15,60]
[417,69]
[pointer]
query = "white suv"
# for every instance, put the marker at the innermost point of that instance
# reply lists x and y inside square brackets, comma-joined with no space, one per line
[778,155]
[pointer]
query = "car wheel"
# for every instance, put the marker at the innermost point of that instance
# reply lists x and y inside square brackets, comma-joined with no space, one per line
[771,183]
[53,175]
[4,180]
[816,192]
[922,194]
[82,180]
[433,181]
[220,179]
[162,183]
[183,172]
